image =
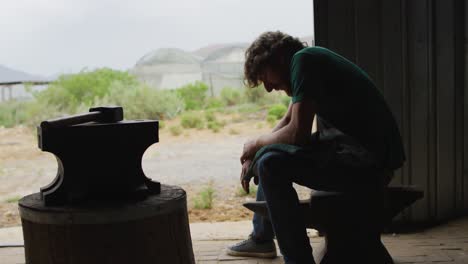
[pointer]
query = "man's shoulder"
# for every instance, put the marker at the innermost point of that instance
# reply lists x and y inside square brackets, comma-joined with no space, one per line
[314,51]
[309,57]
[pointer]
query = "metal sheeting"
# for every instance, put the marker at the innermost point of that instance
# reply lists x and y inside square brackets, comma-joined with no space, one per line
[415,52]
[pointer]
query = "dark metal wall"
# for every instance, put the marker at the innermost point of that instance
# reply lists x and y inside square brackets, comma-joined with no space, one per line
[465,110]
[415,52]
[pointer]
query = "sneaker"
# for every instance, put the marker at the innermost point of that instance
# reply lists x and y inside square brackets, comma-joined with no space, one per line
[252,248]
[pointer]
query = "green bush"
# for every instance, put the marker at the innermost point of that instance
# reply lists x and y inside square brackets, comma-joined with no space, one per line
[277,110]
[254,95]
[252,191]
[213,103]
[13,199]
[84,88]
[194,95]
[13,113]
[248,108]
[191,120]
[271,120]
[285,100]
[37,112]
[161,124]
[215,126]
[210,116]
[231,96]
[143,102]
[204,199]
[76,93]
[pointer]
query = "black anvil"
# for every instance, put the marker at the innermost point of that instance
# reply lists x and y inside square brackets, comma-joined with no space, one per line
[99,157]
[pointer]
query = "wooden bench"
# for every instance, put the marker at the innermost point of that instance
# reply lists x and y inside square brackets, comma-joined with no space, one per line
[352,222]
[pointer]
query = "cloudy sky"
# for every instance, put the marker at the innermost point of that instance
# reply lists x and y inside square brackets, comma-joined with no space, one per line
[47,37]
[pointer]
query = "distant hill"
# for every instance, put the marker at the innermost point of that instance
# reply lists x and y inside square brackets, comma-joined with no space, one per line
[11,75]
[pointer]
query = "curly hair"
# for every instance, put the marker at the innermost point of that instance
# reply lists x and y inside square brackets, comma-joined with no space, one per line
[273,49]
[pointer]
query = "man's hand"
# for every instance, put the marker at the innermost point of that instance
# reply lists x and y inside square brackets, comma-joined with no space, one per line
[250,148]
[245,180]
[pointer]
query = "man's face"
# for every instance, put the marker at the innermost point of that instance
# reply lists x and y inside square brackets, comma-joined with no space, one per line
[273,81]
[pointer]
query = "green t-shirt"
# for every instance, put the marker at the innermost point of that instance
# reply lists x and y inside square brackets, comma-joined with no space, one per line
[347,99]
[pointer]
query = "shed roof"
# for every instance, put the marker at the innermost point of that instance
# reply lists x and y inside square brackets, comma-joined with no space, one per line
[9,77]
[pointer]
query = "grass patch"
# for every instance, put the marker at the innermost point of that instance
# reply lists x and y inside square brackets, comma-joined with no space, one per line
[161,124]
[277,110]
[252,192]
[271,120]
[210,116]
[13,199]
[191,120]
[175,130]
[248,108]
[204,199]
[215,126]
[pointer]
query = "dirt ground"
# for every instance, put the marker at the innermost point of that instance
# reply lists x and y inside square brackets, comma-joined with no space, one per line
[195,160]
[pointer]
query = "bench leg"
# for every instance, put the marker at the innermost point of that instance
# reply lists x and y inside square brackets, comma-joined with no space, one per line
[352,248]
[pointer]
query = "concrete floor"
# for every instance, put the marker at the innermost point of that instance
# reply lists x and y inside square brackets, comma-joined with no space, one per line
[447,243]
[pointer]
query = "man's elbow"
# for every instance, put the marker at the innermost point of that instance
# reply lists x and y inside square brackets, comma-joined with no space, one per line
[301,139]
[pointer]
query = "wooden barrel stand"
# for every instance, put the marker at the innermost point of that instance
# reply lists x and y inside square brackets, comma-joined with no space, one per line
[154,230]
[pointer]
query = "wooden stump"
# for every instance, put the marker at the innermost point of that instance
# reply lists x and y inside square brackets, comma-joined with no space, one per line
[154,230]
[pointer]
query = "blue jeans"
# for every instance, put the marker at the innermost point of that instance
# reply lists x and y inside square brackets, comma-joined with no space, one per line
[277,171]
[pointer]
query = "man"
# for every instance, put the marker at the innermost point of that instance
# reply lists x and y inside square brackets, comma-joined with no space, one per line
[357,144]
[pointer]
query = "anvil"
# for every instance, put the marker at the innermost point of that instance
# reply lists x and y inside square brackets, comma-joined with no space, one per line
[99,157]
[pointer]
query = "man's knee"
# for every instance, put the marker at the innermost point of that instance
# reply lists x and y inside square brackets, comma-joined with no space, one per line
[271,166]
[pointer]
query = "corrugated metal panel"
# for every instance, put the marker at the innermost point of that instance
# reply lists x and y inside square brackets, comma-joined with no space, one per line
[465,111]
[414,50]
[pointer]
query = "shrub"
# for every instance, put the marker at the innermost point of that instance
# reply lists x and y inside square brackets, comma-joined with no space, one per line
[14,199]
[13,113]
[161,124]
[252,191]
[37,112]
[271,120]
[191,120]
[285,100]
[231,96]
[214,102]
[143,102]
[254,95]
[210,116]
[204,199]
[194,95]
[277,110]
[175,130]
[215,126]
[70,91]
[248,108]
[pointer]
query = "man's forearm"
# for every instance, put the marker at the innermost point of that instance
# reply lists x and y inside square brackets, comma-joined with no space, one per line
[282,123]
[287,134]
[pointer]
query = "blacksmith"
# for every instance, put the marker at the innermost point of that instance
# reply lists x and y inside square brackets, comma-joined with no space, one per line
[357,145]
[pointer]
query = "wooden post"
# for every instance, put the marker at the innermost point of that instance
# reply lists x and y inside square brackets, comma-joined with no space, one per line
[154,230]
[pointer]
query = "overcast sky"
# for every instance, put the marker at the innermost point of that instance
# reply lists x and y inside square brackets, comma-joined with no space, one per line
[47,37]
